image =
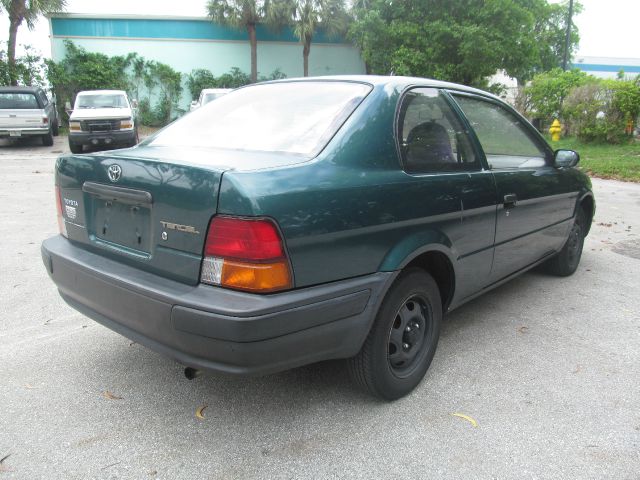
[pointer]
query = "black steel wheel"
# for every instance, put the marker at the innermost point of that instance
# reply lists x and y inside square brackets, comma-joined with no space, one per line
[567,260]
[403,339]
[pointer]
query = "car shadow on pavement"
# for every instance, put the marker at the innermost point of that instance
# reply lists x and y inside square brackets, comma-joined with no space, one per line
[324,382]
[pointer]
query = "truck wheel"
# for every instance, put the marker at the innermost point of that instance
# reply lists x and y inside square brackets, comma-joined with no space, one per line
[136,139]
[403,340]
[566,262]
[47,140]
[74,147]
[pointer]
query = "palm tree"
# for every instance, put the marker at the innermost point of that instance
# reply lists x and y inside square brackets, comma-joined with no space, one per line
[25,11]
[309,15]
[246,14]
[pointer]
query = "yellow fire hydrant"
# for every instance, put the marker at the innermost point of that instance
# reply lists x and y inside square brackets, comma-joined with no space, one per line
[555,130]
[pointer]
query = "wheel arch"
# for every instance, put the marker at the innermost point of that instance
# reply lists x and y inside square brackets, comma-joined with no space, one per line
[588,204]
[435,257]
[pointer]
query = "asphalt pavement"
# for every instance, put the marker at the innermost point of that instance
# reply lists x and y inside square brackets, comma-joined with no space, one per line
[547,368]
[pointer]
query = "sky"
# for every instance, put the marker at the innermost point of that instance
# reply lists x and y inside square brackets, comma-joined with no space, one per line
[608,28]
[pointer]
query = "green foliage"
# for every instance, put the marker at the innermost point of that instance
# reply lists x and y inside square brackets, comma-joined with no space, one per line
[242,14]
[169,83]
[619,162]
[20,11]
[233,79]
[198,80]
[81,70]
[599,111]
[544,95]
[201,78]
[28,70]
[462,41]
[307,16]
[29,10]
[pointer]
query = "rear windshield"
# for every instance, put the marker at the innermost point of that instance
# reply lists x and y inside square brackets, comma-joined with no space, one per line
[101,101]
[290,117]
[18,101]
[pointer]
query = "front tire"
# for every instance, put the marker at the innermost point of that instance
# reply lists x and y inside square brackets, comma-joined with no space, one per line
[55,128]
[566,262]
[403,340]
[74,147]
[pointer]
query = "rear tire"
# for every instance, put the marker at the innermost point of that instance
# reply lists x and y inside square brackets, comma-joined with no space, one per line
[566,262]
[74,147]
[47,140]
[403,339]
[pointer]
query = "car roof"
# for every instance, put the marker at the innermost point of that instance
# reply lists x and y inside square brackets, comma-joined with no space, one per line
[103,92]
[19,89]
[392,80]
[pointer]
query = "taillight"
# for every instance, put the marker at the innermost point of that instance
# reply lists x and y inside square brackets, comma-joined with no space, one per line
[245,254]
[62,227]
[45,120]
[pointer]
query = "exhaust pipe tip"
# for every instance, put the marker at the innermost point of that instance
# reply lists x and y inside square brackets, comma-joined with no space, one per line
[192,373]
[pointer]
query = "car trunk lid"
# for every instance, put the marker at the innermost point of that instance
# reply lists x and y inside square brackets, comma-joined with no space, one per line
[149,212]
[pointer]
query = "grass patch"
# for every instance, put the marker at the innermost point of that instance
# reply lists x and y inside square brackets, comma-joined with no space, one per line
[619,162]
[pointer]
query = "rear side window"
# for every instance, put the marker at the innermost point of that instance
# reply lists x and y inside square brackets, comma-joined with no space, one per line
[18,101]
[504,139]
[432,137]
[290,117]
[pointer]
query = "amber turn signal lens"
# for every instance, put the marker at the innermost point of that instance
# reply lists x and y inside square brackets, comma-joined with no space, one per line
[256,277]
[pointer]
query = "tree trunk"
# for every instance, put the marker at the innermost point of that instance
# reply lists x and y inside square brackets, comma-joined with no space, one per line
[305,54]
[251,28]
[14,23]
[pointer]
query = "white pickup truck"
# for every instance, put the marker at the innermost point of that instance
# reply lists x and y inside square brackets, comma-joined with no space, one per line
[27,112]
[102,118]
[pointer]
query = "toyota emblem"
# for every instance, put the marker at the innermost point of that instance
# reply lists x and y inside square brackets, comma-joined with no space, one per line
[115,172]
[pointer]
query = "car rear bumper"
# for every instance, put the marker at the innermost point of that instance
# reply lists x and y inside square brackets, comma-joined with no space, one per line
[215,328]
[18,132]
[115,137]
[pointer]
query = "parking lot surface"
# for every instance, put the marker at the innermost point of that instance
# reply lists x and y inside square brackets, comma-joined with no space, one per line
[549,368]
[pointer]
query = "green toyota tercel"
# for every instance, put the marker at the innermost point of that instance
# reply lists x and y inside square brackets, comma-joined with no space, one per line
[303,220]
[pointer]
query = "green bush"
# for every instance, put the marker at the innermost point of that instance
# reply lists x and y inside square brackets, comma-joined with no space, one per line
[543,97]
[599,111]
[198,80]
[201,78]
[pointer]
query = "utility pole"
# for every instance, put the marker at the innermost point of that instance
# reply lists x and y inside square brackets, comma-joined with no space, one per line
[567,40]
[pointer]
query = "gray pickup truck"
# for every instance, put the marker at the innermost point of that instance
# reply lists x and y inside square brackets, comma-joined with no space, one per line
[27,112]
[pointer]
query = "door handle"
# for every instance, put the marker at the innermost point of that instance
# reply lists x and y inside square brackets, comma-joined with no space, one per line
[510,200]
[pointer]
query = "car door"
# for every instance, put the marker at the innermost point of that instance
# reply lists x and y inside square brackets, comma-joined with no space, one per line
[451,183]
[534,201]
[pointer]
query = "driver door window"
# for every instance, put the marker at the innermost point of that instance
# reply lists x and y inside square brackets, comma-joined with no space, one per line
[505,141]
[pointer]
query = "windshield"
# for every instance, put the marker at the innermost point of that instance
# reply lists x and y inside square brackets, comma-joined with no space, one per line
[290,117]
[18,101]
[102,101]
[211,96]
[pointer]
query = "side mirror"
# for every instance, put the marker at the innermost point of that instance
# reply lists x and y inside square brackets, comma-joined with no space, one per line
[566,158]
[134,103]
